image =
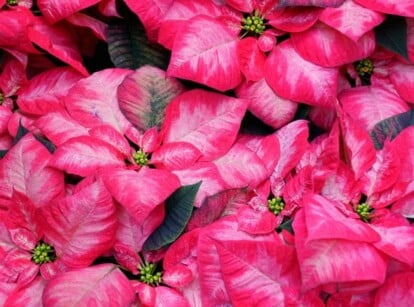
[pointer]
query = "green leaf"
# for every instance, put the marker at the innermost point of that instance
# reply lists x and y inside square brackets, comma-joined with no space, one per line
[21,132]
[144,95]
[178,210]
[49,145]
[129,47]
[287,225]
[3,153]
[391,127]
[392,35]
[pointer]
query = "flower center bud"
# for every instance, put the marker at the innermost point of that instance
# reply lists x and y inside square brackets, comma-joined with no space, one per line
[43,253]
[276,205]
[365,68]
[11,2]
[364,211]
[148,275]
[254,24]
[140,158]
[1,98]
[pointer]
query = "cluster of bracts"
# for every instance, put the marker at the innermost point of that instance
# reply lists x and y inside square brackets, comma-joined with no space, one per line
[145,186]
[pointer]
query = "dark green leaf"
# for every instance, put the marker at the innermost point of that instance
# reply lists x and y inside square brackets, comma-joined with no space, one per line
[156,90]
[392,35]
[21,132]
[49,145]
[302,112]
[178,209]
[391,127]
[287,225]
[129,47]
[3,153]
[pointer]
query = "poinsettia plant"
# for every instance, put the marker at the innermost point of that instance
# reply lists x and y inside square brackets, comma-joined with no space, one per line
[206,152]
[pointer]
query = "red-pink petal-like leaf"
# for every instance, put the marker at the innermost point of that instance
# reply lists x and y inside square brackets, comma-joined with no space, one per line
[100,285]
[108,8]
[59,41]
[339,19]
[285,69]
[98,27]
[59,127]
[402,77]
[14,29]
[55,10]
[371,104]
[178,15]
[236,267]
[358,151]
[111,136]
[384,172]
[397,288]
[30,295]
[45,92]
[25,169]
[177,276]
[325,221]
[175,156]
[149,141]
[22,220]
[296,188]
[256,222]
[166,297]
[293,140]
[93,100]
[128,186]
[341,186]
[150,13]
[13,74]
[404,206]
[208,120]
[83,155]
[218,205]
[144,94]
[294,19]
[251,59]
[246,6]
[392,7]
[321,3]
[204,51]
[266,105]
[266,148]
[326,262]
[397,242]
[249,282]
[81,227]
[327,47]
[240,167]
[5,115]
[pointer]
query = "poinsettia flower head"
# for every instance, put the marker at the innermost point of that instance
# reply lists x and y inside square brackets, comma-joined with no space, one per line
[192,52]
[224,257]
[312,242]
[26,254]
[77,249]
